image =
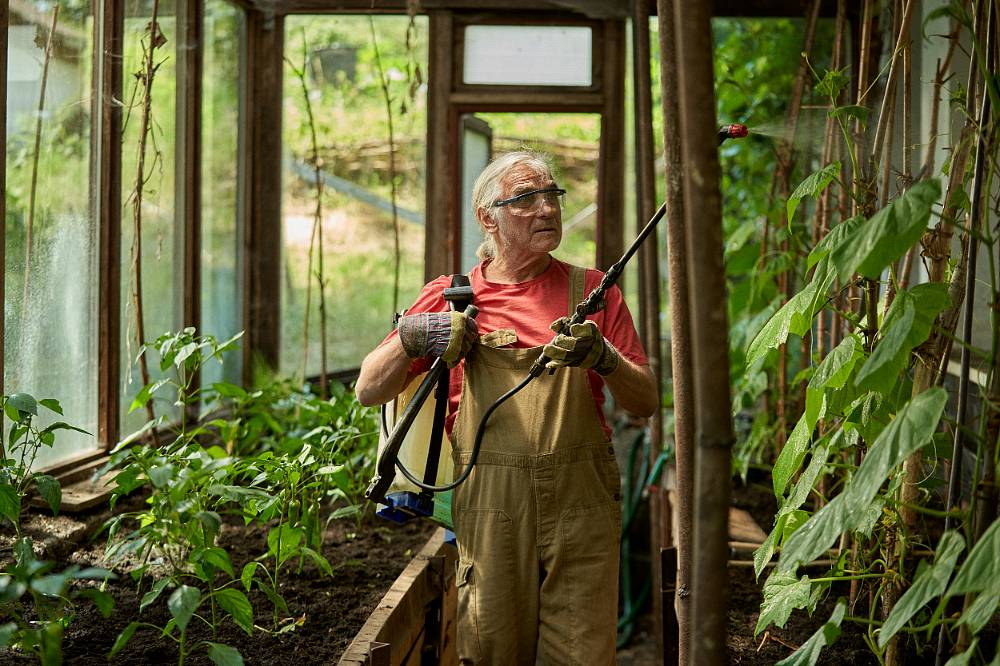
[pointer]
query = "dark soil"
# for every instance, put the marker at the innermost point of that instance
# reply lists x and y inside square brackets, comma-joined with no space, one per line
[324,613]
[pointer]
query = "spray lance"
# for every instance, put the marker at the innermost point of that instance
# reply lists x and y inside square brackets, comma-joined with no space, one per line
[388,463]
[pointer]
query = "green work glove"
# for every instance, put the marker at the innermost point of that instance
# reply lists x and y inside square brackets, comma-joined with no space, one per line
[448,335]
[584,347]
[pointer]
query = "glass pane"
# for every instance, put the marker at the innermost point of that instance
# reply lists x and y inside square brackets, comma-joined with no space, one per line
[50,302]
[570,140]
[221,267]
[151,255]
[359,238]
[476,150]
[539,55]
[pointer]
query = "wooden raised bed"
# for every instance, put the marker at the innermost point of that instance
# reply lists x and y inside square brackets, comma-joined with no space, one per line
[414,622]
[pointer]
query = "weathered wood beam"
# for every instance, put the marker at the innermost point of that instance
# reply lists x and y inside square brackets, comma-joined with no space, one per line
[190,58]
[260,214]
[441,154]
[611,164]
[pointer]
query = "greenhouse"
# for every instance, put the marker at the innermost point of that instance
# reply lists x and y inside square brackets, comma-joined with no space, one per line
[401,332]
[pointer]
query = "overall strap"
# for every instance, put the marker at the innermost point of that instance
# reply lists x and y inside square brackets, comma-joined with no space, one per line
[459,295]
[577,287]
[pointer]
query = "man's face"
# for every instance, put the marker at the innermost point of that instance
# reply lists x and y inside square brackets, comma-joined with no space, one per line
[535,228]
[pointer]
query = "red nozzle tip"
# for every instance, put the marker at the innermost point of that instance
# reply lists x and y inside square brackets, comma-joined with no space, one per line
[737,131]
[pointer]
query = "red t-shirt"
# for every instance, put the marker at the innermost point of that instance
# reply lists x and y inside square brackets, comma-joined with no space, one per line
[529,308]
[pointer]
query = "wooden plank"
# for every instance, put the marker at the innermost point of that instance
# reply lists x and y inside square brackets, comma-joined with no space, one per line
[260,175]
[107,179]
[400,616]
[611,164]
[742,527]
[493,98]
[4,19]
[415,655]
[439,238]
[592,8]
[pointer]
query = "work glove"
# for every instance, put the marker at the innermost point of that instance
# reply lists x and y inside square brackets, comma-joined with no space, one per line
[583,347]
[448,335]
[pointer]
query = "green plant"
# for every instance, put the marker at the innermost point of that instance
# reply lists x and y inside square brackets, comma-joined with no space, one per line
[37,604]
[187,484]
[849,480]
[23,443]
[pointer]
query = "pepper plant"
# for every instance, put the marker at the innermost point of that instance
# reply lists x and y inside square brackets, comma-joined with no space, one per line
[24,441]
[187,484]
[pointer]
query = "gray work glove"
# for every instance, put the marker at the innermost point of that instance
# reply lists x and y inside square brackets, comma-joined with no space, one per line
[448,335]
[583,347]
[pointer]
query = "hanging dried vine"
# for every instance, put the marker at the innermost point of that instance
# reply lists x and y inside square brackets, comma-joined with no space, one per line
[154,39]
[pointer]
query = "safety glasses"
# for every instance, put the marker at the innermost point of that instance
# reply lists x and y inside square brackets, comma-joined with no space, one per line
[533,199]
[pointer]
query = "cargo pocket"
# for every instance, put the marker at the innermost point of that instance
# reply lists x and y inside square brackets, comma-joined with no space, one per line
[486,610]
[467,634]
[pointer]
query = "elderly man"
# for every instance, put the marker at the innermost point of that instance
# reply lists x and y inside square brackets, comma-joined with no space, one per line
[538,521]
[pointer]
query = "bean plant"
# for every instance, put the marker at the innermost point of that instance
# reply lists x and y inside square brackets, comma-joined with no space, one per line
[854,500]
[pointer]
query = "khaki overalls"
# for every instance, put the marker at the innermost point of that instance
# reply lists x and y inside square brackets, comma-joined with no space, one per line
[538,520]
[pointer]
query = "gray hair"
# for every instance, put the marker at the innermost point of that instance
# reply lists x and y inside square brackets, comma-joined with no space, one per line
[489,187]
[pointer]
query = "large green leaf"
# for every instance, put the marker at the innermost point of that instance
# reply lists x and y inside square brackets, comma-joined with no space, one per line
[833,238]
[794,317]
[10,502]
[964,658]
[907,324]
[23,402]
[224,655]
[888,234]
[832,374]
[811,187]
[783,593]
[808,653]
[927,586]
[182,604]
[123,639]
[982,566]
[152,595]
[912,429]
[982,609]
[238,606]
[286,538]
[792,455]
[7,632]
[50,490]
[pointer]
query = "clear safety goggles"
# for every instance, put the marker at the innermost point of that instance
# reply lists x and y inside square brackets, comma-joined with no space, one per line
[533,199]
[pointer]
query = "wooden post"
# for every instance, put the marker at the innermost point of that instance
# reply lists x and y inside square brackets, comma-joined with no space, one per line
[649,283]
[261,212]
[680,324]
[709,328]
[106,144]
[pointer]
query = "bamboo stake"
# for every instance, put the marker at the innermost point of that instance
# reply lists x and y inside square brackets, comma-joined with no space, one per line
[975,224]
[30,231]
[146,77]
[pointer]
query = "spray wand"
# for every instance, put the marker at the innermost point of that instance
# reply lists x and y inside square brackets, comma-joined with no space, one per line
[588,306]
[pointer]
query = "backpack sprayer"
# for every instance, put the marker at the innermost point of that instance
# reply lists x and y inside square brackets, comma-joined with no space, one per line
[416,499]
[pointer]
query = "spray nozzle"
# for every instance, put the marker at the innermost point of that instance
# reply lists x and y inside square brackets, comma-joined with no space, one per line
[733,131]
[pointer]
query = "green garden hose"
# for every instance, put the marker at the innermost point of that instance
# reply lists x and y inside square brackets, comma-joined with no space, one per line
[632,501]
